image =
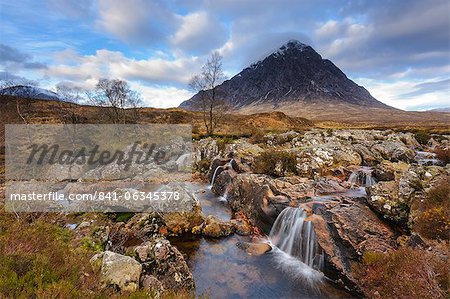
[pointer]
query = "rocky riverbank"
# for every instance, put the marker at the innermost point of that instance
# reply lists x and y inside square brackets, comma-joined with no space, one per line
[366,191]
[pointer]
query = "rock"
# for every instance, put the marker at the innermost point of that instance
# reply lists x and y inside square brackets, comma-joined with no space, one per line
[205,149]
[261,198]
[345,230]
[222,181]
[394,151]
[217,166]
[152,284]
[144,253]
[120,271]
[254,249]
[215,228]
[384,199]
[328,186]
[368,157]
[182,222]
[168,266]
[96,262]
[242,228]
[83,225]
[389,171]
[144,224]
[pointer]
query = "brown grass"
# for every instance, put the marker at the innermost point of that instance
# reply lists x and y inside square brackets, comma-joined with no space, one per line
[403,274]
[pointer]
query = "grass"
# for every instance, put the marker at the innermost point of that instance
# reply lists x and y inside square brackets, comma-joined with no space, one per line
[276,163]
[433,220]
[37,260]
[403,274]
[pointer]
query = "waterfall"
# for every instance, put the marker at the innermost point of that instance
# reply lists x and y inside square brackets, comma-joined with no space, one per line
[295,236]
[362,177]
[214,176]
[228,165]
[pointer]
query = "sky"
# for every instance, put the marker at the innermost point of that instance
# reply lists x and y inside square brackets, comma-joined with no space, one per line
[398,50]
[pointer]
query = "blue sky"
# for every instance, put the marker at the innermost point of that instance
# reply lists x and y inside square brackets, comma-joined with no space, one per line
[398,50]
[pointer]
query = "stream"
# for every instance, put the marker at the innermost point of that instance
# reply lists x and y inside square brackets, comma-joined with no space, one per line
[222,270]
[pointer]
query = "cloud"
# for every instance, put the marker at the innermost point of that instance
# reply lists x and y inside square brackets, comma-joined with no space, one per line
[162,96]
[199,32]
[71,8]
[135,21]
[113,64]
[385,37]
[398,93]
[13,58]
[10,54]
[428,87]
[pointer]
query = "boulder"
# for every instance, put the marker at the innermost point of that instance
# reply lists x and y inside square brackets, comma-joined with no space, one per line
[152,284]
[389,171]
[394,151]
[345,230]
[261,198]
[215,228]
[254,249]
[328,186]
[166,264]
[120,271]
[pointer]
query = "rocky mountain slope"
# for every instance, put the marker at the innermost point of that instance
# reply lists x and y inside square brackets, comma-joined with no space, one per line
[30,92]
[294,76]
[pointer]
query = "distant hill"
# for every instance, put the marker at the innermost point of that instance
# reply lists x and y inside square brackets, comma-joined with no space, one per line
[296,80]
[30,92]
[445,109]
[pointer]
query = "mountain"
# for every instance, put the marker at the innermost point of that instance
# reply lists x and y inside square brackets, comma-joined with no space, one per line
[293,79]
[445,109]
[30,92]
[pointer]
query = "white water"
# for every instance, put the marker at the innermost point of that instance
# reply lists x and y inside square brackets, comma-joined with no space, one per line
[362,177]
[214,176]
[295,236]
[228,165]
[426,158]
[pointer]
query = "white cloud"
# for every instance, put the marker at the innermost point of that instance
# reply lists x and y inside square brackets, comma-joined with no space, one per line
[136,21]
[162,96]
[393,94]
[199,32]
[113,64]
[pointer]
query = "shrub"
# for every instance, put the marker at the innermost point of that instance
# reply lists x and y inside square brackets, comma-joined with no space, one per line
[422,137]
[203,165]
[443,155]
[258,137]
[276,163]
[434,221]
[221,143]
[38,261]
[404,273]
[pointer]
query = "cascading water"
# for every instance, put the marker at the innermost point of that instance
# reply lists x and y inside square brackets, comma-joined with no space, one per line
[362,177]
[214,176]
[295,236]
[215,172]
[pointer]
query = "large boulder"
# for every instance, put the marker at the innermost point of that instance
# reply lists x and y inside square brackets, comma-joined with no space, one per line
[389,171]
[394,151]
[261,198]
[345,230]
[120,271]
[165,263]
[215,228]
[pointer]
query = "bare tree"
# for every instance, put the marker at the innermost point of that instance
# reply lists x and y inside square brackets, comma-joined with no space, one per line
[9,84]
[117,95]
[69,94]
[212,106]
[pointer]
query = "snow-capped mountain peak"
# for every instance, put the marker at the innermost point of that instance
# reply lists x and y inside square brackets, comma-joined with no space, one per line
[32,92]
